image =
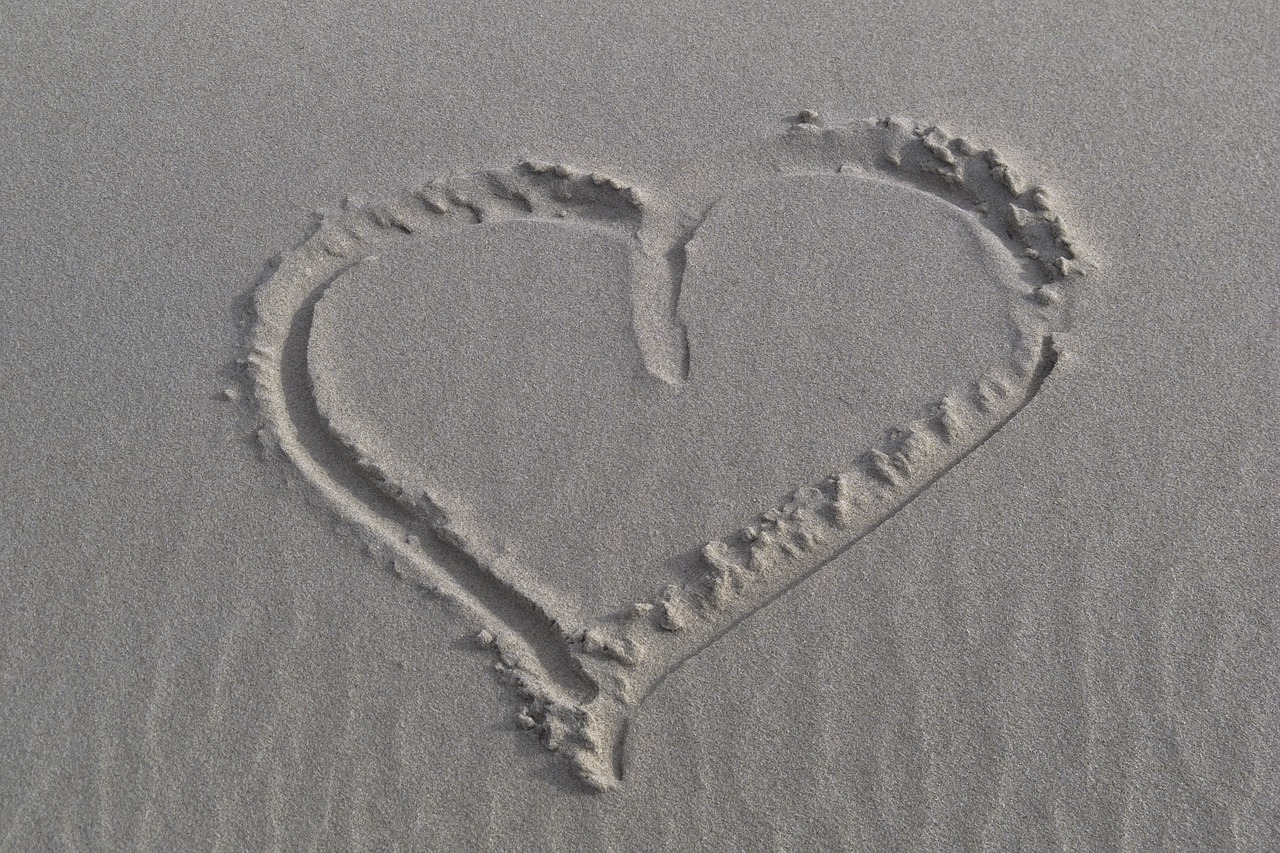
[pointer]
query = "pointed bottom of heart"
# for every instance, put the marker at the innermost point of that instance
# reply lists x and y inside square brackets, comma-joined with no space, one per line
[580,683]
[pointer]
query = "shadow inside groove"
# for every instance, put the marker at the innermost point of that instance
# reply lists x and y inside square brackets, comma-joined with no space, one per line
[500,602]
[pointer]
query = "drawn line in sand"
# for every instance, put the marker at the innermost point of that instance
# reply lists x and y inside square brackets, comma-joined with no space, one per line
[580,682]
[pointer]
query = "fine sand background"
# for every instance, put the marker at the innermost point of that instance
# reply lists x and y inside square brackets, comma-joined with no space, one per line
[1067,643]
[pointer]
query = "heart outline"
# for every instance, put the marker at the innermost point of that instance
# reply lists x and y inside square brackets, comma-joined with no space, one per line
[580,684]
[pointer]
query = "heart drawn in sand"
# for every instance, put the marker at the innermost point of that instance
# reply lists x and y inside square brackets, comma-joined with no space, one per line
[613,446]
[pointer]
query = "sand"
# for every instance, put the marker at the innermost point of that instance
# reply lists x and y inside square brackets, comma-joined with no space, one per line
[629,429]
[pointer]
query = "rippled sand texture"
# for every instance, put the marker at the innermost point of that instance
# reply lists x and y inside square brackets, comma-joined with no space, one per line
[786,492]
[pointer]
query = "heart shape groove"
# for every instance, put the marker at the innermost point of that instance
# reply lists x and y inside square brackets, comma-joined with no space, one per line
[580,674]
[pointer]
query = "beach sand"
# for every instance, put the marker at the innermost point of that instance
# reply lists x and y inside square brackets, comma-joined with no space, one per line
[755,427]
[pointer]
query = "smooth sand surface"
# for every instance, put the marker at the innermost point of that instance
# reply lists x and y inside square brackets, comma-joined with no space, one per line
[752,481]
